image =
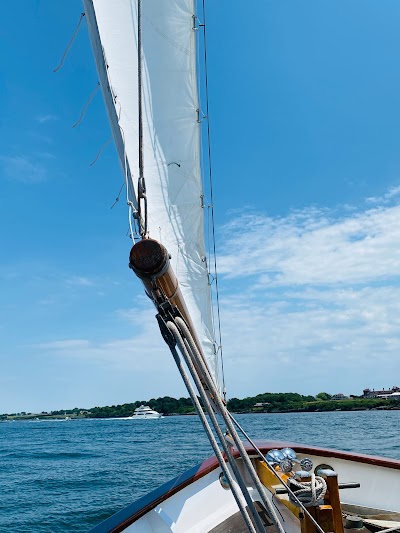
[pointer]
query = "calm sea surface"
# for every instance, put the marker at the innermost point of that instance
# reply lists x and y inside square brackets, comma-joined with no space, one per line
[64,476]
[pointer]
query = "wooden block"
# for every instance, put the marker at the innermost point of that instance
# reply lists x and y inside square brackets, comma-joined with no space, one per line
[333,499]
[324,516]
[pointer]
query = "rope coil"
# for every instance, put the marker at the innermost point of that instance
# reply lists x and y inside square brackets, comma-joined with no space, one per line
[309,493]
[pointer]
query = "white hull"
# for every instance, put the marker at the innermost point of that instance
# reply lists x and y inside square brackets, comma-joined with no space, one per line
[144,417]
[144,413]
[196,502]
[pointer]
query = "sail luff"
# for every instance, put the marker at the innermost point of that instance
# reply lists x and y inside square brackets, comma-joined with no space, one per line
[171,133]
[101,64]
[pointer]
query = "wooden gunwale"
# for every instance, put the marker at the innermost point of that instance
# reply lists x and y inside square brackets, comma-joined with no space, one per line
[130,514]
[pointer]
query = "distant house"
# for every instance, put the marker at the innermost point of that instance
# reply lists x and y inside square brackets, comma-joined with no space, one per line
[261,404]
[339,396]
[368,393]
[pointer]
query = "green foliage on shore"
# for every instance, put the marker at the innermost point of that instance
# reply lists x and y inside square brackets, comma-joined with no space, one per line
[165,405]
[262,403]
[270,402]
[284,402]
[291,402]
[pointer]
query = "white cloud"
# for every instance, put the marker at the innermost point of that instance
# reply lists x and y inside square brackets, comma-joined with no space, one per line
[314,247]
[80,281]
[144,351]
[64,345]
[312,340]
[314,300]
[46,118]
[309,302]
[23,168]
[391,193]
[46,155]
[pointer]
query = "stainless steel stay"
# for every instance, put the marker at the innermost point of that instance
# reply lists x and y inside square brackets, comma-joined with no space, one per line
[237,495]
[213,403]
[150,261]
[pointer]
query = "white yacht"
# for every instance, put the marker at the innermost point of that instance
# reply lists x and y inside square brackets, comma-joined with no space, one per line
[144,411]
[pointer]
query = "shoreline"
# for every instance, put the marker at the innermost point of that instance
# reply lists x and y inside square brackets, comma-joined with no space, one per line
[53,418]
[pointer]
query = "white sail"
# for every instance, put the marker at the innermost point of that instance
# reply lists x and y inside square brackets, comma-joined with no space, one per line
[171,132]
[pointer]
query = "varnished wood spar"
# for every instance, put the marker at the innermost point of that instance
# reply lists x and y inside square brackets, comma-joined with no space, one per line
[150,261]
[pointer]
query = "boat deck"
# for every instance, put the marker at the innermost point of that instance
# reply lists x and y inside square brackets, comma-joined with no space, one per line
[236,524]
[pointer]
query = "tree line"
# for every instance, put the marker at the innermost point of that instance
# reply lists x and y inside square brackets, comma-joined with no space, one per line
[293,402]
[268,402]
[283,402]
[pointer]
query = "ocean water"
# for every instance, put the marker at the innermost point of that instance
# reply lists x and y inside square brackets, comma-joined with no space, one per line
[67,476]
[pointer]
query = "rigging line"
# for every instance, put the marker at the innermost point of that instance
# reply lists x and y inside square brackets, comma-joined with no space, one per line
[99,152]
[262,457]
[132,211]
[87,104]
[185,351]
[128,200]
[276,507]
[141,181]
[140,117]
[118,195]
[211,198]
[204,206]
[70,43]
[227,418]
[210,281]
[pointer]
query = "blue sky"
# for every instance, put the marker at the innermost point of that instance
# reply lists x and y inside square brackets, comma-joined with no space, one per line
[305,131]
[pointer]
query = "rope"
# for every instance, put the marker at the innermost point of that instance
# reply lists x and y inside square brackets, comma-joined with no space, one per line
[99,152]
[225,415]
[309,493]
[141,181]
[185,350]
[69,44]
[211,207]
[86,105]
[140,115]
[118,195]
[131,207]
[275,473]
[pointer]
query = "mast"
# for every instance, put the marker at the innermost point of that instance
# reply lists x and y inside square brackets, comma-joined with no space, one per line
[155,100]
